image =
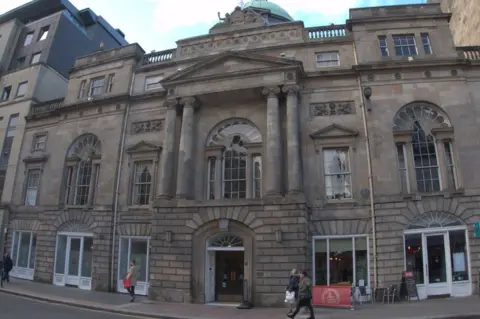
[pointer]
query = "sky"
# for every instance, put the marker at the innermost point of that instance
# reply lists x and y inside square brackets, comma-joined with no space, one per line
[158,24]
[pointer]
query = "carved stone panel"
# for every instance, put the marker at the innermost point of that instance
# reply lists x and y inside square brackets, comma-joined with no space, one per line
[147,126]
[332,108]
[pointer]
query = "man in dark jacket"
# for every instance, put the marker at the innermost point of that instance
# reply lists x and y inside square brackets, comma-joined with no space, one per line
[7,267]
[304,296]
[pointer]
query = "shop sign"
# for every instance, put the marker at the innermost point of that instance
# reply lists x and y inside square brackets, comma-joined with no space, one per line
[332,296]
[476,229]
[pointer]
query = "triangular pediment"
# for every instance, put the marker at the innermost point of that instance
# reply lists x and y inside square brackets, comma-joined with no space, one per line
[232,63]
[143,147]
[334,130]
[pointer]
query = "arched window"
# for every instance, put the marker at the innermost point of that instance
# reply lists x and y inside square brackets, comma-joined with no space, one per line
[234,161]
[82,170]
[423,134]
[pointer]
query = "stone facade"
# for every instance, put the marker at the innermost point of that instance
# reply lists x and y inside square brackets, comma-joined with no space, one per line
[464,20]
[283,97]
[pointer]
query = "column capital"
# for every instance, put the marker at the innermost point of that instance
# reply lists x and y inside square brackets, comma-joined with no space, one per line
[291,89]
[271,91]
[171,104]
[190,101]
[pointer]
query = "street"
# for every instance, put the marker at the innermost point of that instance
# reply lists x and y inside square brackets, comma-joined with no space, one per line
[22,308]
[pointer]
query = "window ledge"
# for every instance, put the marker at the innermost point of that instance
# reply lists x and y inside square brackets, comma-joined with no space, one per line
[79,207]
[340,202]
[139,207]
[445,193]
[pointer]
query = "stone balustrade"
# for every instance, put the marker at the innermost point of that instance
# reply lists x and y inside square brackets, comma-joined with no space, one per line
[46,107]
[158,57]
[470,52]
[326,32]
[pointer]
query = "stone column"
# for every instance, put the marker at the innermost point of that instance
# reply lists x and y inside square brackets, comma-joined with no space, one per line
[293,140]
[185,152]
[167,167]
[274,155]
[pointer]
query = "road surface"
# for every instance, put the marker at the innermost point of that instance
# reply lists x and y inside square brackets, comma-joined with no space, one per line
[22,308]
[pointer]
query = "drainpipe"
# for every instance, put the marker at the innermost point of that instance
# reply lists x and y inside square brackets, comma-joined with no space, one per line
[370,174]
[117,182]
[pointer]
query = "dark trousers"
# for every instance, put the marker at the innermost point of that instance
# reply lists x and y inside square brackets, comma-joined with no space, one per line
[304,303]
[131,291]
[6,276]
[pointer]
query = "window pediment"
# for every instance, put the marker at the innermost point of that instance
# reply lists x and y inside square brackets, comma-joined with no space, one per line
[232,63]
[334,131]
[144,147]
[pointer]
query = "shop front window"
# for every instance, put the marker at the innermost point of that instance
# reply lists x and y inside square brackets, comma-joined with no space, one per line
[459,258]
[23,249]
[341,261]
[414,256]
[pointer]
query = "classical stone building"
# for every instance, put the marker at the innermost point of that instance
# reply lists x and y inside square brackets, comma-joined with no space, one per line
[261,147]
[39,42]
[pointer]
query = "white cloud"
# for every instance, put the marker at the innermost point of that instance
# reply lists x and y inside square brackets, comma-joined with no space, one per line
[170,15]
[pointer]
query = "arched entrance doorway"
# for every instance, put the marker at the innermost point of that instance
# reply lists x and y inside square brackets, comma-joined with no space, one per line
[224,268]
[437,251]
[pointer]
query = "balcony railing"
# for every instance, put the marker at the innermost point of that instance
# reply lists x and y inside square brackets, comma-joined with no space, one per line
[158,57]
[470,53]
[326,32]
[46,107]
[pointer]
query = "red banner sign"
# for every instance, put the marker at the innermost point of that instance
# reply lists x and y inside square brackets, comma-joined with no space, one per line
[332,296]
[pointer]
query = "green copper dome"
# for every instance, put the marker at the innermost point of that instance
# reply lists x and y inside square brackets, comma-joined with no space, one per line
[275,9]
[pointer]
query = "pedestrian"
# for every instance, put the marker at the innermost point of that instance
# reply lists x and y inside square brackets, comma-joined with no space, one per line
[7,267]
[1,273]
[304,296]
[132,277]
[292,288]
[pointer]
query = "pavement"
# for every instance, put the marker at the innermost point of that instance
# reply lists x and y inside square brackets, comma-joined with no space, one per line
[115,303]
[22,308]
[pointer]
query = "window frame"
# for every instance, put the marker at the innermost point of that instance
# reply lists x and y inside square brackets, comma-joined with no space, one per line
[110,82]
[345,174]
[34,142]
[133,194]
[14,254]
[407,173]
[29,37]
[7,90]
[440,135]
[319,63]
[20,62]
[92,87]
[157,84]
[82,89]
[20,85]
[423,36]
[70,193]
[401,46]
[217,152]
[334,136]
[37,187]
[383,49]
[43,34]
[143,152]
[39,54]
[352,237]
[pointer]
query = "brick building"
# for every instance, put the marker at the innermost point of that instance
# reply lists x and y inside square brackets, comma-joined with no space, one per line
[260,147]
